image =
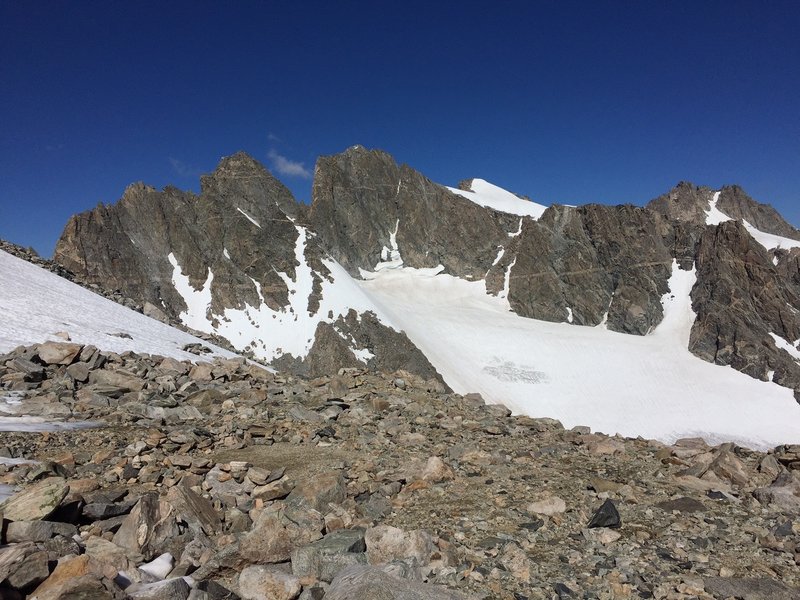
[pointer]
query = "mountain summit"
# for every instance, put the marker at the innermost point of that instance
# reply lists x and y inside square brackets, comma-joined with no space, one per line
[592,314]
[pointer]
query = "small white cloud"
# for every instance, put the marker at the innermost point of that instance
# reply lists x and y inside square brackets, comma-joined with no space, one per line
[182,169]
[287,167]
[273,138]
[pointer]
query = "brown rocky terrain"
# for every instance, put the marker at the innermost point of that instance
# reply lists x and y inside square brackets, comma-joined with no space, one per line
[222,480]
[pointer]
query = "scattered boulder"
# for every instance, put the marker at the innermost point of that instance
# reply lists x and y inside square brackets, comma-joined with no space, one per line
[606,516]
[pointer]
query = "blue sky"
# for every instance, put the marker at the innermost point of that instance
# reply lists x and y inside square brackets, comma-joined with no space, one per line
[568,102]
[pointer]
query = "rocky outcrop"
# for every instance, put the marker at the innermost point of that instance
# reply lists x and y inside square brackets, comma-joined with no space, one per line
[362,202]
[126,246]
[589,265]
[741,299]
[734,202]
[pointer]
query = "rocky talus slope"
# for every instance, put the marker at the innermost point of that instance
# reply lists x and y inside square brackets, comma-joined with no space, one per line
[222,480]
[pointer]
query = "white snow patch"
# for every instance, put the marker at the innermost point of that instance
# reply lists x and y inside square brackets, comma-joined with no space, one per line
[363,354]
[783,344]
[226,254]
[518,231]
[6,491]
[634,385]
[4,460]
[249,218]
[676,324]
[569,315]
[35,303]
[507,282]
[40,424]
[198,302]
[770,241]
[713,215]
[160,566]
[390,256]
[491,196]
[499,256]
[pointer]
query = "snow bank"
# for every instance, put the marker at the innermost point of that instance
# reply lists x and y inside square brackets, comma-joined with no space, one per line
[35,304]
[290,330]
[491,196]
[770,241]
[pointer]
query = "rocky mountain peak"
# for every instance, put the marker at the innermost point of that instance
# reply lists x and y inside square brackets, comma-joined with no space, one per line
[685,202]
[737,204]
[465,184]
[243,179]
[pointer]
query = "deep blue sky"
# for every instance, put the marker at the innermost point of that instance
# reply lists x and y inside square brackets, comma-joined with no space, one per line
[568,102]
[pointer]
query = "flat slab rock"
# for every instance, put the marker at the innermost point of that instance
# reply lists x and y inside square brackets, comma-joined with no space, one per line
[750,589]
[37,501]
[362,581]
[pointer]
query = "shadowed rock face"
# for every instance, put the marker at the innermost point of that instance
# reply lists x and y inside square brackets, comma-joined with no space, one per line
[601,262]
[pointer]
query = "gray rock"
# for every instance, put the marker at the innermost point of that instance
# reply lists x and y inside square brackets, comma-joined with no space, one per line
[37,531]
[326,557]
[147,528]
[386,543]
[278,531]
[606,516]
[360,581]
[194,510]
[319,491]
[783,493]
[169,589]
[750,588]
[36,501]
[261,582]
[32,571]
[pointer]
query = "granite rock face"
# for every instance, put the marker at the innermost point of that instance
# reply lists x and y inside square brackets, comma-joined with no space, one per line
[250,247]
[740,299]
[362,199]
[127,245]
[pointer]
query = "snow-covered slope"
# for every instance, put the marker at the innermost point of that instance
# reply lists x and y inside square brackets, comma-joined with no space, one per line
[35,304]
[491,196]
[649,386]
[272,333]
[770,241]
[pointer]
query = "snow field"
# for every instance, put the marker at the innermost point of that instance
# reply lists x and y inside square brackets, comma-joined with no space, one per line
[649,386]
[35,304]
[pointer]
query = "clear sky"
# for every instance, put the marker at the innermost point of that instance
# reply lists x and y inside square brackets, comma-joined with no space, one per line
[567,102]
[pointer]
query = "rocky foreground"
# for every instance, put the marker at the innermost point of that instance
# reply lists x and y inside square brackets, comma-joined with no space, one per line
[223,480]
